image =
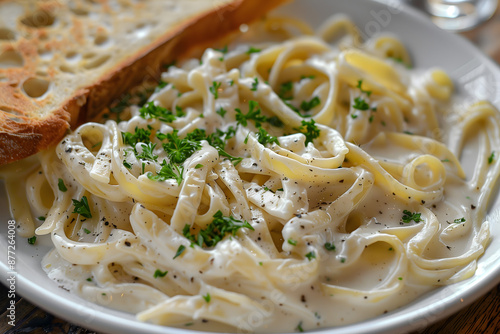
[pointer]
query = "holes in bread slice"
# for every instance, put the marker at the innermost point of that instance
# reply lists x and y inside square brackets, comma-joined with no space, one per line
[11,58]
[13,115]
[102,39]
[96,62]
[36,87]
[7,34]
[38,19]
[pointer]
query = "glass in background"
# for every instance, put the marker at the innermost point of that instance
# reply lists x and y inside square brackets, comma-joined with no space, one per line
[460,15]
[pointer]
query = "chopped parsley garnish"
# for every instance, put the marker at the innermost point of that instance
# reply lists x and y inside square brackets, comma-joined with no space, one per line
[286,90]
[275,121]
[139,136]
[89,279]
[302,77]
[216,230]
[180,250]
[198,166]
[360,104]
[162,84]
[308,105]
[82,207]
[168,171]
[147,152]
[222,50]
[151,110]
[207,297]
[252,50]
[408,217]
[214,89]
[292,242]
[491,158]
[159,273]
[218,140]
[255,84]
[32,240]
[254,114]
[310,130]
[61,185]
[265,138]
[87,231]
[221,111]
[121,106]
[299,327]
[459,220]
[42,218]
[329,246]
[367,92]
[127,165]
[311,255]
[178,150]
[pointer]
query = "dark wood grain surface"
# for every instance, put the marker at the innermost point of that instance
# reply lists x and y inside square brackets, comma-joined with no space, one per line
[482,316]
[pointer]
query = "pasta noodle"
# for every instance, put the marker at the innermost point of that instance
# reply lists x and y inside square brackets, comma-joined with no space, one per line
[271,187]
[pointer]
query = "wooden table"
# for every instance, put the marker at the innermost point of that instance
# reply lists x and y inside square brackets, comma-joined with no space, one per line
[483,316]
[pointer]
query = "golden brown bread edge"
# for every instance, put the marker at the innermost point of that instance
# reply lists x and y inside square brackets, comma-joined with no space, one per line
[19,140]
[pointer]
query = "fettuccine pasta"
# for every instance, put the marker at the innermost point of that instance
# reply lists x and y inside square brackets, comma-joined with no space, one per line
[272,187]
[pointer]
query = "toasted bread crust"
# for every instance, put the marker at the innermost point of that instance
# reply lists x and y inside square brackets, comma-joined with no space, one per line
[23,132]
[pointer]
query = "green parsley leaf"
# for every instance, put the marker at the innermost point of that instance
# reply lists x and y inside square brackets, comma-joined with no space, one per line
[139,136]
[178,150]
[292,242]
[252,50]
[255,84]
[222,50]
[42,218]
[286,89]
[310,130]
[360,104]
[275,121]
[159,273]
[311,255]
[120,107]
[82,207]
[207,297]
[32,240]
[254,114]
[89,279]
[151,110]
[61,185]
[308,105]
[216,230]
[264,137]
[180,250]
[459,220]
[87,231]
[367,92]
[329,246]
[198,166]
[147,152]
[214,89]
[221,111]
[299,327]
[127,165]
[168,171]
[491,158]
[408,217]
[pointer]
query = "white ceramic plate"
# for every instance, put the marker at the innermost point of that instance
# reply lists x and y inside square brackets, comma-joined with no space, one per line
[475,76]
